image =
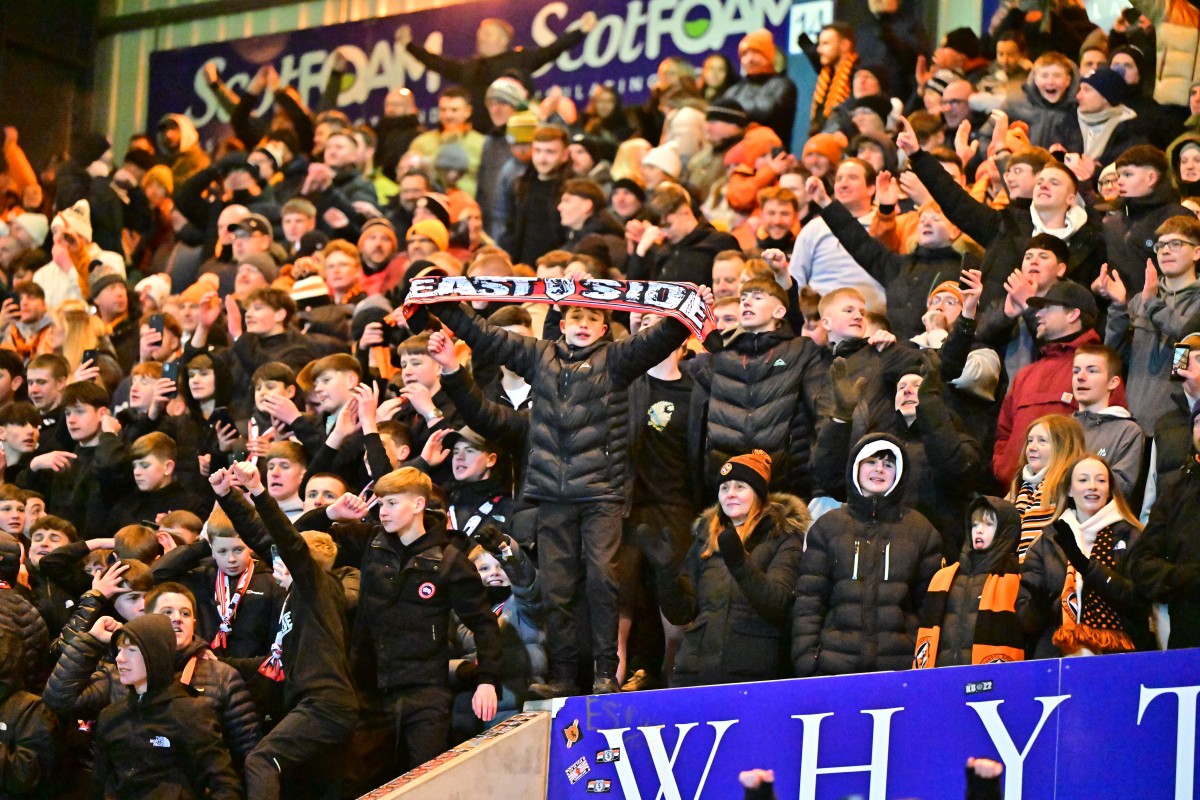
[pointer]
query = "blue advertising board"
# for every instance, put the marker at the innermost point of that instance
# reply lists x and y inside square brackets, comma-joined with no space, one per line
[624,49]
[1072,729]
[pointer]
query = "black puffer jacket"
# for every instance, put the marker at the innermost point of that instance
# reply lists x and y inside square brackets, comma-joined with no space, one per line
[578,446]
[768,100]
[19,615]
[864,574]
[402,629]
[753,395]
[28,732]
[974,568]
[84,683]
[738,619]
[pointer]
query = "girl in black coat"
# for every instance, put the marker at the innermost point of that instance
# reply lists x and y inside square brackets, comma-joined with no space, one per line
[734,589]
[1076,596]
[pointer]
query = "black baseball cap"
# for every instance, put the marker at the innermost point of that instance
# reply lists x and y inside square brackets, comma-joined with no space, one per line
[255,223]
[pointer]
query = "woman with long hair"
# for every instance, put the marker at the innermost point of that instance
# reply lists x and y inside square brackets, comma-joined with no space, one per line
[604,117]
[1076,596]
[1052,443]
[734,589]
[716,75]
[75,331]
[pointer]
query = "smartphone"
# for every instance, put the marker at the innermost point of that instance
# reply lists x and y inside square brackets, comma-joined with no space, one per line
[156,323]
[221,415]
[92,356]
[171,372]
[1131,15]
[1179,360]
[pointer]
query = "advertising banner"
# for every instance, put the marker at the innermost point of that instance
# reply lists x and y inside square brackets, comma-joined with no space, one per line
[1074,729]
[624,50]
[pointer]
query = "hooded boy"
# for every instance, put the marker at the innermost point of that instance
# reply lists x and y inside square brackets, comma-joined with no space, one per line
[969,615]
[179,142]
[161,739]
[873,557]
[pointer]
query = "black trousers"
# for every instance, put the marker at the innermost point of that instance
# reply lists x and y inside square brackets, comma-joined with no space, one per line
[638,589]
[577,555]
[307,743]
[400,729]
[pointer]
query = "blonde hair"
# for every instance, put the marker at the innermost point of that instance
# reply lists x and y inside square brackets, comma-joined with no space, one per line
[1067,445]
[80,330]
[220,526]
[845,291]
[406,480]
[321,547]
[628,161]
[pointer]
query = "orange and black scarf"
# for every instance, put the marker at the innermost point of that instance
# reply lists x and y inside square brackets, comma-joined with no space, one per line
[833,87]
[1089,622]
[997,632]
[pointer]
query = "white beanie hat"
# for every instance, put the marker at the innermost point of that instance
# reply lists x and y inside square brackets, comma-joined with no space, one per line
[36,225]
[158,286]
[76,220]
[665,158]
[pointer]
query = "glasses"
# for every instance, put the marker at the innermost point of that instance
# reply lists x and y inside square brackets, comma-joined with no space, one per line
[1172,245]
[946,102]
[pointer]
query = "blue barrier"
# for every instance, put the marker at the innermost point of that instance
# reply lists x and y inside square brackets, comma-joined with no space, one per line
[1082,728]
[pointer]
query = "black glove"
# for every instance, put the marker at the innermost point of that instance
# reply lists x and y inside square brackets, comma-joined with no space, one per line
[846,393]
[658,549]
[464,673]
[492,539]
[732,549]
[1064,537]
[931,377]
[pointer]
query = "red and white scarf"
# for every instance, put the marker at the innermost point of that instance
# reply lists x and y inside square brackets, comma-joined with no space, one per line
[680,301]
[227,604]
[272,667]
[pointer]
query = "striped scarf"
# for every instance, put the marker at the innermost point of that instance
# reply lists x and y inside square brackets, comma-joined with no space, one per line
[1089,623]
[1034,515]
[833,88]
[997,635]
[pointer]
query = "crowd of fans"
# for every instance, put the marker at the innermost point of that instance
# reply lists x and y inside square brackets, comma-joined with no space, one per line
[264,529]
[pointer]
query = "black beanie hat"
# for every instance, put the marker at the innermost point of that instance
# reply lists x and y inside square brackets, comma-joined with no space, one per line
[727,110]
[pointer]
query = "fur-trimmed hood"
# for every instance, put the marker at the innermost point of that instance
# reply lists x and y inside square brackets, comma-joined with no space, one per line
[786,514]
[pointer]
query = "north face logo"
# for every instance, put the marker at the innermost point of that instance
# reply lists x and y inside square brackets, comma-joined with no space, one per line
[779,362]
[160,741]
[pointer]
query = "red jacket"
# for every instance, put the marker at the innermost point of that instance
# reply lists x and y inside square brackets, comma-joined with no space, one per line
[1043,387]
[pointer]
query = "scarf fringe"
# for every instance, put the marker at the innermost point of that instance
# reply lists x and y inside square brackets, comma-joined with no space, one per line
[1073,638]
